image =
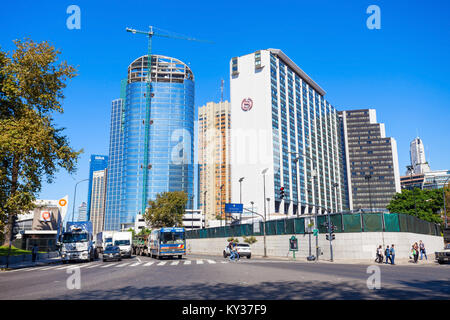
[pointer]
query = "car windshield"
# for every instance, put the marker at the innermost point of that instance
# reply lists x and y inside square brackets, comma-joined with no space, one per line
[75,237]
[172,238]
[122,242]
[242,245]
[111,249]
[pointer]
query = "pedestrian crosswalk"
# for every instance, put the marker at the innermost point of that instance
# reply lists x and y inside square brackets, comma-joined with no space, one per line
[121,265]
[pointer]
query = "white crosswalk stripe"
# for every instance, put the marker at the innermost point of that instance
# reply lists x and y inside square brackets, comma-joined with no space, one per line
[65,267]
[31,269]
[199,261]
[175,263]
[161,263]
[187,262]
[52,267]
[109,265]
[94,266]
[148,264]
[211,261]
[135,264]
[122,265]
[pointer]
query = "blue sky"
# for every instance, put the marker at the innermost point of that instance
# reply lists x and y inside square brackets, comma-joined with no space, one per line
[400,70]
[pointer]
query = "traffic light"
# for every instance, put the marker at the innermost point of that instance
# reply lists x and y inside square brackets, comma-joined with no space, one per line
[15,227]
[332,236]
[281,192]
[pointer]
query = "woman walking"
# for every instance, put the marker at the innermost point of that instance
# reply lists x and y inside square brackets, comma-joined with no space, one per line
[416,252]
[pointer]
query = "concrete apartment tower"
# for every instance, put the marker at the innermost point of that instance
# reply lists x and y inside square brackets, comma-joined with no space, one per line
[284,133]
[371,160]
[213,156]
[417,153]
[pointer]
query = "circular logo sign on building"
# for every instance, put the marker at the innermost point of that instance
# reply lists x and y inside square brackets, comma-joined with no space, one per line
[247,104]
[45,216]
[62,202]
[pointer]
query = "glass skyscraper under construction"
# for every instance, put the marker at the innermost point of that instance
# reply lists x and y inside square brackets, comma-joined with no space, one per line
[151,142]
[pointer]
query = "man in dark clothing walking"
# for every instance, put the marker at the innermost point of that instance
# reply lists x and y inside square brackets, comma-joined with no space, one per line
[34,252]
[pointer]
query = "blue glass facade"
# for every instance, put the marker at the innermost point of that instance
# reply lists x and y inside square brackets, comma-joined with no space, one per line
[96,162]
[157,137]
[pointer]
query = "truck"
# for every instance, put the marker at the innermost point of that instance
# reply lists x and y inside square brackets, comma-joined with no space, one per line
[77,242]
[124,240]
[140,245]
[104,239]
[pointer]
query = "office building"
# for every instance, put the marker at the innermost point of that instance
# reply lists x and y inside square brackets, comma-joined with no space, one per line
[151,144]
[284,133]
[371,160]
[213,158]
[98,197]
[96,162]
[82,212]
[417,154]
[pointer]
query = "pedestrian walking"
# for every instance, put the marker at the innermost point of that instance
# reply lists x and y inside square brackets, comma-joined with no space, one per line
[392,255]
[379,258]
[34,252]
[416,252]
[422,250]
[387,253]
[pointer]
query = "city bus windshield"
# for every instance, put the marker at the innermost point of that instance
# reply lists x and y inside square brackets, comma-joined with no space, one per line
[172,237]
[75,237]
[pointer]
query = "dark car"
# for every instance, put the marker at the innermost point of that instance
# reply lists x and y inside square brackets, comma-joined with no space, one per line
[112,253]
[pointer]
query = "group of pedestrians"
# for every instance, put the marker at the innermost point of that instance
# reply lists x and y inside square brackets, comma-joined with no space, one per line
[416,249]
[389,253]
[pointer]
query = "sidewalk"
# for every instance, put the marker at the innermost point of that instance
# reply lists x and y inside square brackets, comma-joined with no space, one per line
[18,262]
[398,261]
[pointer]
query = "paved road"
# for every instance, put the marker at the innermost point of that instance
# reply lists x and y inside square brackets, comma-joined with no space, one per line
[214,278]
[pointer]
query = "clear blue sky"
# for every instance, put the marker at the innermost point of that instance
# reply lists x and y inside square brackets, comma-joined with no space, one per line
[402,70]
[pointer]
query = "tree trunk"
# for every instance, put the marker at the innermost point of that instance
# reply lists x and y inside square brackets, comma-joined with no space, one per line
[14,178]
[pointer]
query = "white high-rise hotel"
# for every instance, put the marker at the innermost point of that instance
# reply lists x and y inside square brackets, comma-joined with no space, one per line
[280,121]
[417,152]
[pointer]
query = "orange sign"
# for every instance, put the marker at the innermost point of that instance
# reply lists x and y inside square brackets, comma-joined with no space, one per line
[45,215]
[62,202]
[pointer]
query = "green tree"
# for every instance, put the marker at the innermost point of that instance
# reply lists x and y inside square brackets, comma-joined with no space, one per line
[166,210]
[250,240]
[232,239]
[424,204]
[145,232]
[32,148]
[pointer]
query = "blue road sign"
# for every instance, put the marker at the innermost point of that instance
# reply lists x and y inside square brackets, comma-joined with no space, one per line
[234,207]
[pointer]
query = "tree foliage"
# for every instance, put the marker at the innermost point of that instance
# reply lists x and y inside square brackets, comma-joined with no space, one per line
[31,146]
[166,210]
[424,204]
[250,240]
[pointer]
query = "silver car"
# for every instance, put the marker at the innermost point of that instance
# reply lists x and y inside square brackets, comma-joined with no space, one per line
[243,249]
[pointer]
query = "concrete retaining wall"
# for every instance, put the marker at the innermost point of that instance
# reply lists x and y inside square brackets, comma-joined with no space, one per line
[360,245]
[26,258]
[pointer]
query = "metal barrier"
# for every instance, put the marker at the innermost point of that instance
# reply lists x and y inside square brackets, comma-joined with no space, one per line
[356,222]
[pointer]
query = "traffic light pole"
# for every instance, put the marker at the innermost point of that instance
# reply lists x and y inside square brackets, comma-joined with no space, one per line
[329,234]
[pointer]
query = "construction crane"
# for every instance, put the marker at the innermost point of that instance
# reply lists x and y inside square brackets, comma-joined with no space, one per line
[150,34]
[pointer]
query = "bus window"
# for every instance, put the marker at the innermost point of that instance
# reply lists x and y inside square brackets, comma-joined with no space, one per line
[172,238]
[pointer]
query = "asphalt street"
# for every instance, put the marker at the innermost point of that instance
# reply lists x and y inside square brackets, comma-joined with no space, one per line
[198,277]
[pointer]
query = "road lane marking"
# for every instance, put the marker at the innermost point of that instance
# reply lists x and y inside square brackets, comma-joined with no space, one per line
[109,265]
[93,266]
[175,263]
[148,264]
[199,261]
[211,261]
[138,259]
[123,265]
[135,264]
[161,263]
[30,269]
[188,262]
[224,262]
[53,267]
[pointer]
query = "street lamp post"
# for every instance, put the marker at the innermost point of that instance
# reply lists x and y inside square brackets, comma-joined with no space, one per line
[410,169]
[74,197]
[252,203]
[204,208]
[264,225]
[240,197]
[221,206]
